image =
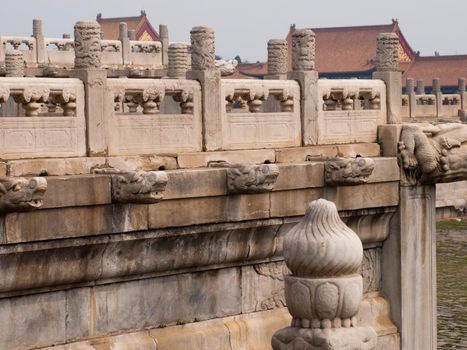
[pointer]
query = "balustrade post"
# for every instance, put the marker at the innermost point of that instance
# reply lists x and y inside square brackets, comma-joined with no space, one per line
[204,70]
[420,87]
[88,68]
[14,64]
[463,93]
[436,90]
[324,290]
[125,40]
[277,59]
[41,49]
[410,87]
[164,38]
[132,34]
[178,61]
[303,71]
[387,69]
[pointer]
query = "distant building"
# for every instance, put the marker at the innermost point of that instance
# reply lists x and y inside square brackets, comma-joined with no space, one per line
[140,24]
[349,52]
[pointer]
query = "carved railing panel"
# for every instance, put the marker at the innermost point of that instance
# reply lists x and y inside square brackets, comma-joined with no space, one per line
[111,53]
[41,117]
[260,114]
[25,44]
[60,52]
[146,53]
[350,110]
[450,105]
[139,124]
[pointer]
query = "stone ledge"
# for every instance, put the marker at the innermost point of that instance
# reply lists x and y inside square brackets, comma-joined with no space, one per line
[203,159]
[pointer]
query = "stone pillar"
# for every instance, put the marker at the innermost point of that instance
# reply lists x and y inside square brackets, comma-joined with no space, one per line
[303,65]
[420,88]
[324,291]
[203,69]
[132,34]
[123,37]
[178,61]
[164,38]
[436,90]
[387,69]
[410,87]
[88,68]
[463,93]
[66,36]
[14,63]
[277,59]
[37,33]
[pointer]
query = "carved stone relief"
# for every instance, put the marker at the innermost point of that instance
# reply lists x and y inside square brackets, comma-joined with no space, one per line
[251,178]
[202,48]
[14,64]
[303,50]
[277,56]
[88,51]
[387,58]
[21,194]
[348,171]
[144,187]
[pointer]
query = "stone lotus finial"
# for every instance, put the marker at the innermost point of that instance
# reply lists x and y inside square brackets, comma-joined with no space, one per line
[348,171]
[433,153]
[145,187]
[251,178]
[21,194]
[324,291]
[88,51]
[387,56]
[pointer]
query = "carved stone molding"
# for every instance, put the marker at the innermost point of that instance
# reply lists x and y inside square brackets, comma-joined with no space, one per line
[433,153]
[88,51]
[324,291]
[387,57]
[202,49]
[303,50]
[21,194]
[348,171]
[144,187]
[252,178]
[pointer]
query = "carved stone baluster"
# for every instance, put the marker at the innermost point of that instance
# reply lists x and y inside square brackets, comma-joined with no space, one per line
[31,100]
[14,64]
[255,100]
[67,100]
[375,100]
[150,100]
[324,291]
[186,101]
[286,101]
[4,94]
[131,103]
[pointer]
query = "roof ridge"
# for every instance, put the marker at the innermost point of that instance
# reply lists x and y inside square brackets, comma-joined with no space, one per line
[392,25]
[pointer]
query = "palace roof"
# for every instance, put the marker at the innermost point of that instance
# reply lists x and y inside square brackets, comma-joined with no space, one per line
[140,24]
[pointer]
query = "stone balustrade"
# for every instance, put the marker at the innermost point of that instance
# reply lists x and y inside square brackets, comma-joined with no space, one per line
[350,110]
[42,117]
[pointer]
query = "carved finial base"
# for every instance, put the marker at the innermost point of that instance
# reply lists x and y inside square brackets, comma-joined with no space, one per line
[295,338]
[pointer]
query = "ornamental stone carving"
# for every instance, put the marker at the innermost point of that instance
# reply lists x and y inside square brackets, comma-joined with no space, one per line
[433,153]
[348,171]
[324,291]
[21,194]
[277,56]
[226,67]
[32,99]
[387,57]
[303,50]
[88,51]
[144,187]
[251,178]
[202,49]
[178,60]
[14,64]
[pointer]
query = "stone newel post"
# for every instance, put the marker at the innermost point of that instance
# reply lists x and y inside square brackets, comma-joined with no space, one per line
[303,65]
[462,93]
[387,69]
[14,64]
[88,68]
[436,90]
[324,291]
[204,70]
[277,59]
[178,61]
[125,39]
[410,89]
[40,40]
[164,37]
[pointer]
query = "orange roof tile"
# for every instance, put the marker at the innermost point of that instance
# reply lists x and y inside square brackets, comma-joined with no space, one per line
[110,26]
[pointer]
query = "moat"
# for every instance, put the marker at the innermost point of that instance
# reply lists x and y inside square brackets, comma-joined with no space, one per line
[452,285]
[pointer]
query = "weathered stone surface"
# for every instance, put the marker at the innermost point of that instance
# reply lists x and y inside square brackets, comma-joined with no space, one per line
[146,187]
[371,270]
[387,57]
[310,153]
[202,48]
[277,56]
[69,191]
[14,63]
[251,178]
[20,194]
[145,163]
[196,160]
[208,210]
[348,171]
[434,153]
[302,175]
[74,222]
[388,137]
[178,60]
[452,194]
[393,82]
[263,286]
[209,182]
[88,52]
[303,50]
[53,167]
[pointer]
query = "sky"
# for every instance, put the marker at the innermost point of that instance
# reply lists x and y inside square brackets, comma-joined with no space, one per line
[243,27]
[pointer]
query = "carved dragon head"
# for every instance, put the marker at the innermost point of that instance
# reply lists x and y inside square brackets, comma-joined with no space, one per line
[348,171]
[20,194]
[139,187]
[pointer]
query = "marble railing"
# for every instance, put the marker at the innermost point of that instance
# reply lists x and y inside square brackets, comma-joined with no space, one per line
[146,53]
[27,45]
[260,114]
[154,115]
[41,117]
[350,110]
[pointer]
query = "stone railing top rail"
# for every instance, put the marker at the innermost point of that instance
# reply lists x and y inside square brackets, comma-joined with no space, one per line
[351,86]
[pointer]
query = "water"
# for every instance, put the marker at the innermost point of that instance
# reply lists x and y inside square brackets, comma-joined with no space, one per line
[452,285]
